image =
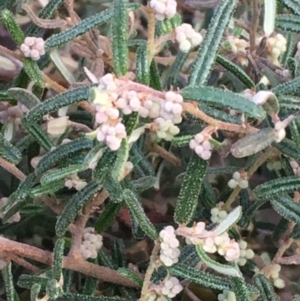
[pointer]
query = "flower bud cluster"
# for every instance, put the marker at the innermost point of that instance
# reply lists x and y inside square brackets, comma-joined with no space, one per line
[170,287]
[227,296]
[218,215]
[274,277]
[211,243]
[187,37]
[201,146]
[109,104]
[296,167]
[33,47]
[276,46]
[91,243]
[237,44]
[245,253]
[238,180]
[75,182]
[112,135]
[277,165]
[15,218]
[169,251]
[163,9]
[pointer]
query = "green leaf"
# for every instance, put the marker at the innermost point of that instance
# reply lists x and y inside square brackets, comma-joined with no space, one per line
[277,187]
[240,289]
[143,183]
[35,291]
[84,26]
[9,284]
[218,267]
[289,104]
[25,97]
[155,77]
[77,297]
[104,164]
[27,281]
[57,259]
[202,66]
[61,100]
[108,216]
[295,131]
[200,277]
[8,4]
[38,134]
[119,37]
[290,87]
[12,26]
[114,189]
[63,152]
[76,203]
[293,5]
[118,168]
[61,173]
[134,205]
[236,71]
[131,275]
[286,207]
[48,188]
[289,48]
[253,143]
[117,253]
[181,141]
[142,65]
[53,290]
[32,69]
[232,218]
[288,148]
[266,289]
[189,193]
[224,99]
[9,152]
[288,22]
[174,72]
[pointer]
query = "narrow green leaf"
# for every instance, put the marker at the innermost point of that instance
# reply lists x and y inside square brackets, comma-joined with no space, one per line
[77,297]
[9,152]
[25,97]
[293,5]
[53,290]
[277,187]
[288,22]
[117,253]
[289,48]
[188,197]
[253,143]
[119,37]
[240,289]
[143,183]
[218,267]
[201,67]
[114,189]
[287,208]
[108,216]
[27,281]
[63,152]
[142,65]
[290,87]
[134,205]
[155,77]
[295,131]
[236,71]
[199,277]
[35,291]
[118,168]
[12,26]
[266,289]
[289,104]
[181,141]
[38,134]
[84,26]
[9,284]
[288,148]
[90,286]
[61,173]
[61,100]
[58,257]
[32,69]
[48,188]
[218,97]
[104,164]
[132,276]
[76,203]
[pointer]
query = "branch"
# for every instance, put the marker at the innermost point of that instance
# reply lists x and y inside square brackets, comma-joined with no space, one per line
[79,265]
